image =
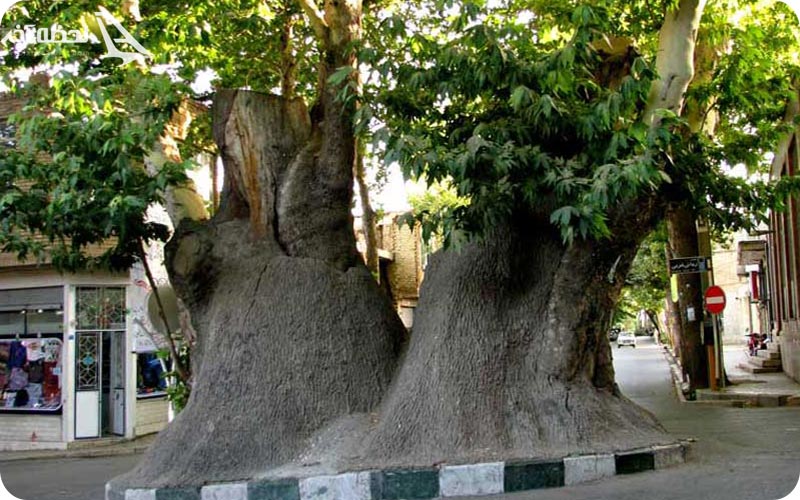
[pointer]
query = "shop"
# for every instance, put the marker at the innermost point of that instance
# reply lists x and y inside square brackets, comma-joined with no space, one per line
[69,367]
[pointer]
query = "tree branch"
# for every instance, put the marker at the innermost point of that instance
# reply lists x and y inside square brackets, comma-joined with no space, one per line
[316,19]
[675,59]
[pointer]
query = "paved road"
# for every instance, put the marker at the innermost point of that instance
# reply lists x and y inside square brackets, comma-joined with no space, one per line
[740,453]
[63,479]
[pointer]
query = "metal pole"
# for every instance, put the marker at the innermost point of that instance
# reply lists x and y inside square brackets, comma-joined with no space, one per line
[720,361]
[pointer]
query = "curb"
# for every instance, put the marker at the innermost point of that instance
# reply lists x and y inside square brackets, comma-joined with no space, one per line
[99,452]
[677,375]
[74,454]
[429,482]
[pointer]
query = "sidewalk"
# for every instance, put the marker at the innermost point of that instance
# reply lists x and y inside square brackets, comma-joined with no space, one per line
[85,449]
[752,389]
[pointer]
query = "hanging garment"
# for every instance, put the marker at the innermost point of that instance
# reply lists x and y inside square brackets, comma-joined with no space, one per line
[18,355]
[52,350]
[21,399]
[34,392]
[36,372]
[34,350]
[51,383]
[5,350]
[18,379]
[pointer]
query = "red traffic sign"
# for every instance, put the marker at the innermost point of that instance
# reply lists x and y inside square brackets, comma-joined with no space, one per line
[715,300]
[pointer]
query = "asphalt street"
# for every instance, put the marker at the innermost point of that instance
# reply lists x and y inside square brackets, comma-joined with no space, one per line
[63,479]
[738,454]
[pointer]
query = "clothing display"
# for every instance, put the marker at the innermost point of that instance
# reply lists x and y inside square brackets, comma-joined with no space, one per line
[18,355]
[36,371]
[34,393]
[30,374]
[34,350]
[18,379]
[51,385]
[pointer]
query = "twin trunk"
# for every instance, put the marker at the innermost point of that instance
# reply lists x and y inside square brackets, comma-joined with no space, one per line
[297,346]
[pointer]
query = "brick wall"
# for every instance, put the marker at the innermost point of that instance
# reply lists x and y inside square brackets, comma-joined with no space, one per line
[151,415]
[9,105]
[405,271]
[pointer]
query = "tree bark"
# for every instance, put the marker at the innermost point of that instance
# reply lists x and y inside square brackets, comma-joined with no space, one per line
[682,231]
[675,59]
[510,356]
[294,336]
[368,223]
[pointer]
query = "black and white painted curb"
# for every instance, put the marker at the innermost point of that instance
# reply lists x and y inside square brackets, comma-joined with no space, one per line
[426,483]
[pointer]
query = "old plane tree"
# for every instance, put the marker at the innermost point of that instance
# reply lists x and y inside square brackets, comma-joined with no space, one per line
[559,122]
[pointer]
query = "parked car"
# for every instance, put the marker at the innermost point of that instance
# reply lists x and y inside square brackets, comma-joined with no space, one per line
[626,338]
[614,333]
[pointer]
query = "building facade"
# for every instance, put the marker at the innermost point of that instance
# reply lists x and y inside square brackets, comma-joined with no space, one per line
[77,351]
[782,249]
[72,360]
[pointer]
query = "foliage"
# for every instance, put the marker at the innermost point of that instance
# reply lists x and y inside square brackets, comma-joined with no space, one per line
[515,123]
[177,390]
[437,203]
[76,178]
[647,281]
[525,108]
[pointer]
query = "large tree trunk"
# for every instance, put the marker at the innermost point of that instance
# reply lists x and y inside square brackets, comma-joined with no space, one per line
[368,216]
[682,230]
[510,356]
[294,335]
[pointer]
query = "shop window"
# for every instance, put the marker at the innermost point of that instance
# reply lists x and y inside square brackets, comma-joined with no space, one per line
[30,374]
[150,375]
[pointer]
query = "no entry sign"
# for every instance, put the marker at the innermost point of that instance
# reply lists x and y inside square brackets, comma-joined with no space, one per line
[715,300]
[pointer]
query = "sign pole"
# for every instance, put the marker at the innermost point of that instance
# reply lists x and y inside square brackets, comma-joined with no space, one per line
[715,303]
[718,340]
[717,366]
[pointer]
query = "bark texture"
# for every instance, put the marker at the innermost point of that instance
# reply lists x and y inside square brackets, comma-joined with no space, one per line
[293,332]
[509,357]
[682,230]
[368,216]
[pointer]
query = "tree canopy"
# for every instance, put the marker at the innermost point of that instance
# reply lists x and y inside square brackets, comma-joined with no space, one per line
[519,105]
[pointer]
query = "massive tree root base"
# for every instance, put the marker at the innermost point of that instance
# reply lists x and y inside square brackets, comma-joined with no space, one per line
[288,345]
[509,358]
[295,362]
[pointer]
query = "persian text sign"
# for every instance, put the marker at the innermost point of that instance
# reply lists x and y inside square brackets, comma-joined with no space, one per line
[689,265]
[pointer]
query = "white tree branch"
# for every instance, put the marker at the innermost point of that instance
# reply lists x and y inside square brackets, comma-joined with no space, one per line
[316,19]
[675,59]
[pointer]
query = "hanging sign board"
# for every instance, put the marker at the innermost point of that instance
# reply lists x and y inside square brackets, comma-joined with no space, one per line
[687,265]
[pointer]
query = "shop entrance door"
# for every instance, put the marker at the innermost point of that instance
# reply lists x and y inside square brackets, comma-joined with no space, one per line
[88,382]
[100,362]
[113,394]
